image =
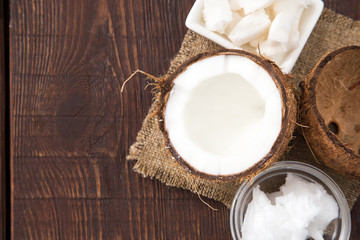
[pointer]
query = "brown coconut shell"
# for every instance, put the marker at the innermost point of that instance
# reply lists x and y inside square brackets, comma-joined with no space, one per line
[331,110]
[289,114]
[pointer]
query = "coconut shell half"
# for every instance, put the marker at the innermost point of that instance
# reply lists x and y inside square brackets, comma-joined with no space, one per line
[288,112]
[331,110]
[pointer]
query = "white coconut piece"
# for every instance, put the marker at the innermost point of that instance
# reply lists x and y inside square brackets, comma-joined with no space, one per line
[217,15]
[272,50]
[293,6]
[294,39]
[269,11]
[223,115]
[234,4]
[295,33]
[235,19]
[250,28]
[250,6]
[255,43]
[281,28]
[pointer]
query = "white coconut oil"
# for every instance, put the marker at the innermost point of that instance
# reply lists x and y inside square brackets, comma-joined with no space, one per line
[300,210]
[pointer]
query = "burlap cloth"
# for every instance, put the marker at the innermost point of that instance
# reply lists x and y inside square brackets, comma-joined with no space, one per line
[155,161]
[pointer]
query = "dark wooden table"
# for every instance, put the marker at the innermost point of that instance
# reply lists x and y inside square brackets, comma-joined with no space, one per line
[65,129]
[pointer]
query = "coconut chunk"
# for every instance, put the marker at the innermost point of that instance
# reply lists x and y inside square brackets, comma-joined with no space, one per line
[284,8]
[234,4]
[293,6]
[294,39]
[236,18]
[281,28]
[295,34]
[250,6]
[250,28]
[258,41]
[272,50]
[217,15]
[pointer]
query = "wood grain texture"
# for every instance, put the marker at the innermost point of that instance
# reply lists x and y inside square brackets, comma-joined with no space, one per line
[72,128]
[3,107]
[350,8]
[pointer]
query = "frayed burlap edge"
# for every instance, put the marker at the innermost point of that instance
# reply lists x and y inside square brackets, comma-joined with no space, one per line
[155,161]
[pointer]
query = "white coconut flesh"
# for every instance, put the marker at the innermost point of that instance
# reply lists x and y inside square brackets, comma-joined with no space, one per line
[223,114]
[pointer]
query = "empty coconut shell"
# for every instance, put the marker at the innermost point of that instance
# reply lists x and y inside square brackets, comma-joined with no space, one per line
[331,110]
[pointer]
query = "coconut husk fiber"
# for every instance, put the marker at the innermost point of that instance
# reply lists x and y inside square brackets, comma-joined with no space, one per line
[155,161]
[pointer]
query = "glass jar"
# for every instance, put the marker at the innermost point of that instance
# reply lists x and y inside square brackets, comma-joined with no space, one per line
[271,180]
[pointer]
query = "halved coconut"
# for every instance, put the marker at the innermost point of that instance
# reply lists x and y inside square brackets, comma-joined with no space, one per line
[331,109]
[227,114]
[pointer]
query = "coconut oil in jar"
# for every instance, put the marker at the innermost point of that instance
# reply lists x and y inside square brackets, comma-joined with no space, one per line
[291,200]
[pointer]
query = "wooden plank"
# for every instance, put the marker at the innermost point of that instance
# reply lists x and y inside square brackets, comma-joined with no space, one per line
[3,123]
[355,221]
[113,219]
[72,128]
[350,8]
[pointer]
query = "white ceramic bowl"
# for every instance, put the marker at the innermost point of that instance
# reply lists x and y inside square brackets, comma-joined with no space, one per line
[308,21]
